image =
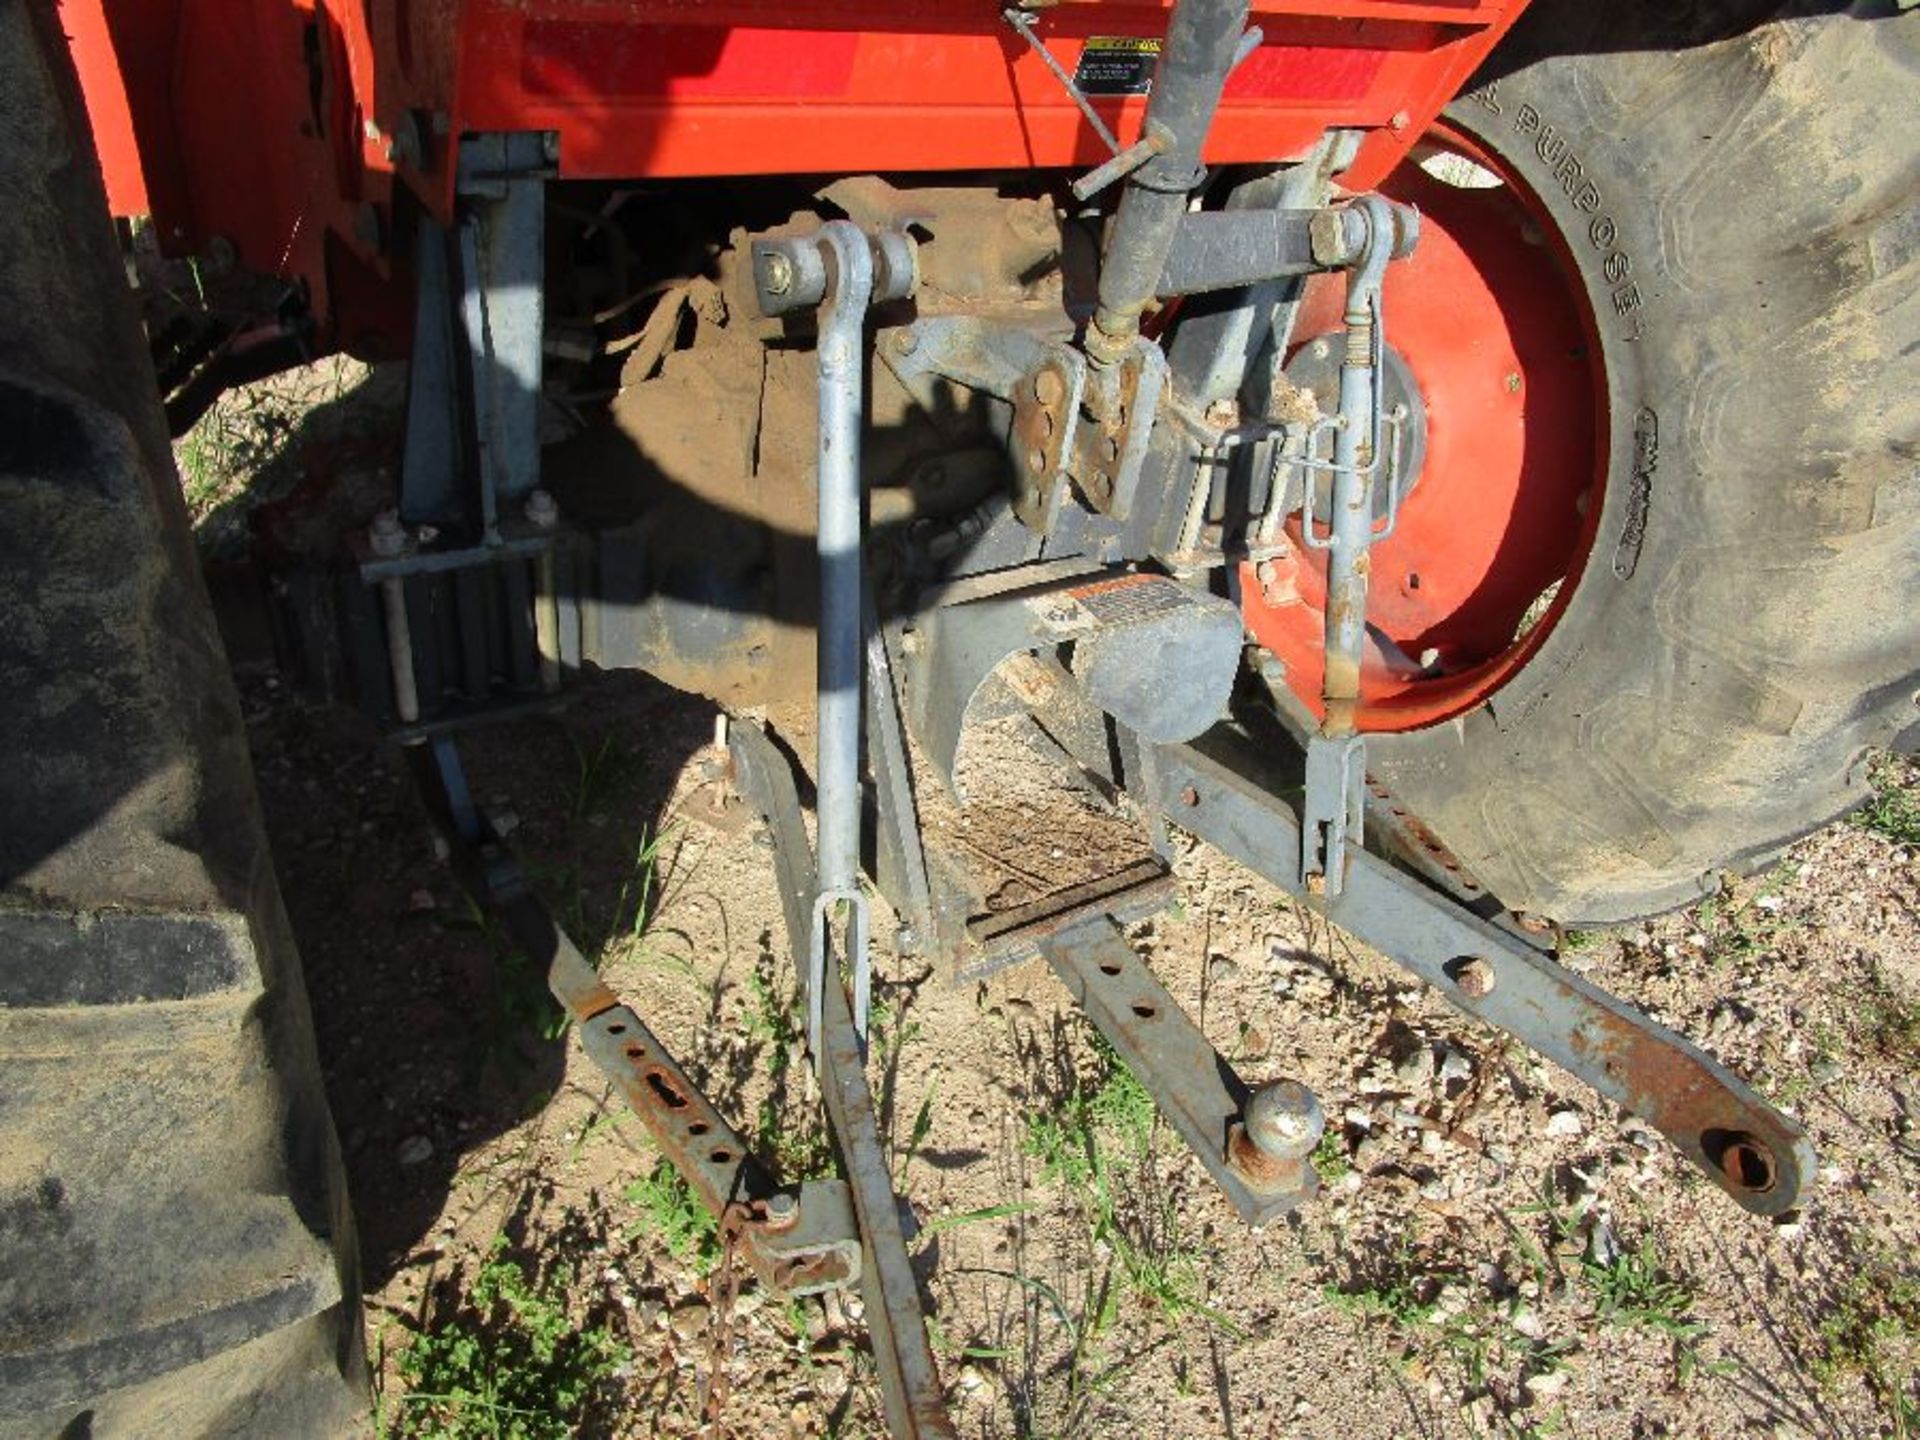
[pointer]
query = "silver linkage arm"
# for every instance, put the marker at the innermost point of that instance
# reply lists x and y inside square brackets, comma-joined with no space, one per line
[843,270]
[1334,811]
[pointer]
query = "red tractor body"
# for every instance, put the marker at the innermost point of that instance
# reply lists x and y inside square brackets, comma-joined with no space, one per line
[290,131]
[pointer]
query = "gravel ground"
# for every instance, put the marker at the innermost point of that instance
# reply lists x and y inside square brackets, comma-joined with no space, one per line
[1496,1251]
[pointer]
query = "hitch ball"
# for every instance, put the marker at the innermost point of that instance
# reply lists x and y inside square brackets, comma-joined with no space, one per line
[1285,1120]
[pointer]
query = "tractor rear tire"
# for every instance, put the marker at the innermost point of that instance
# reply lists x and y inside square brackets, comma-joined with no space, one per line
[1738,195]
[176,1251]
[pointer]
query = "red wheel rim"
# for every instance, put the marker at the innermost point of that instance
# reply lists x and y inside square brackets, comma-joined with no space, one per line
[1491,321]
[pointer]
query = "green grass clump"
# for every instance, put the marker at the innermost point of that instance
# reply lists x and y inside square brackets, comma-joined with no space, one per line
[1894,811]
[1874,1332]
[513,1363]
[670,1210]
[1330,1160]
[1098,1145]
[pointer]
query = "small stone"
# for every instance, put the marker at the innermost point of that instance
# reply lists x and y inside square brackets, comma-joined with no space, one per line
[691,1319]
[1455,1066]
[1547,1386]
[421,900]
[969,1378]
[1415,1067]
[1221,969]
[1526,1321]
[415,1150]
[1565,1124]
[504,822]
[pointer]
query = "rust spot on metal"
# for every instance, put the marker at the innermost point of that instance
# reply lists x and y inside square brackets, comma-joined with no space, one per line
[588,1001]
[1674,1092]
[1259,1169]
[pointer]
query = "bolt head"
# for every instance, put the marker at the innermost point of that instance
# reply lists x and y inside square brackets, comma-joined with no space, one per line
[776,273]
[541,510]
[387,537]
[782,1206]
[1475,977]
[905,342]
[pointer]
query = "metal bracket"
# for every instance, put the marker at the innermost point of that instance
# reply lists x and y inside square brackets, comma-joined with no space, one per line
[799,1242]
[1334,812]
[899,859]
[1046,418]
[1758,1156]
[1122,401]
[1195,1088]
[909,1379]
[1157,653]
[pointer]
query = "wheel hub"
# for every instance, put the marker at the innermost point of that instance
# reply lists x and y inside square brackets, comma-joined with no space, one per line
[1491,349]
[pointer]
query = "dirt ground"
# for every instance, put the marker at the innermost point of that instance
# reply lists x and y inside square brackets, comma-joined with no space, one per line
[1496,1251]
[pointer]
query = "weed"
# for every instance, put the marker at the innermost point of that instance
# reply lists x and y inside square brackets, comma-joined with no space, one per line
[1873,1332]
[1820,1064]
[1330,1160]
[601,1119]
[247,446]
[1894,811]
[800,1150]
[518,1003]
[916,1136]
[1635,1288]
[637,910]
[1398,1289]
[1744,928]
[513,1363]
[1098,1145]
[596,773]
[670,1210]
[1410,1292]
[970,1217]
[944,1345]
[1890,1023]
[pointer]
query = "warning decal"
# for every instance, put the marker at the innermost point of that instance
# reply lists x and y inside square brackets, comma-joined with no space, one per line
[1116,65]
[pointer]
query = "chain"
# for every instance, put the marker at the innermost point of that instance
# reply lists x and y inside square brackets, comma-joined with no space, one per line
[723,1285]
